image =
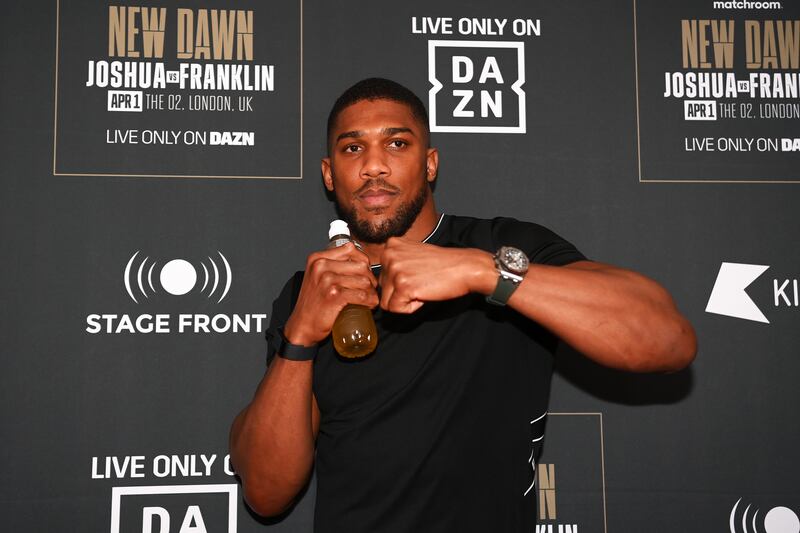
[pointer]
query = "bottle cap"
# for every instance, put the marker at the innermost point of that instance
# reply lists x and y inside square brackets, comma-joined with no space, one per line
[338,227]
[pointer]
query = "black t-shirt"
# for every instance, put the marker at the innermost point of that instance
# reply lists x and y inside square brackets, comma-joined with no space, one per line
[437,430]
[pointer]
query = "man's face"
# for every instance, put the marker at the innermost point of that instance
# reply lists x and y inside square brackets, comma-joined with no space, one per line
[379,168]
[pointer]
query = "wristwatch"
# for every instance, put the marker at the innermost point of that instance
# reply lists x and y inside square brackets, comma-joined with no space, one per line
[285,349]
[512,264]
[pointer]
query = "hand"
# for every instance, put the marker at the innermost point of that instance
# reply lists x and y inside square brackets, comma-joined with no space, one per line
[333,279]
[413,273]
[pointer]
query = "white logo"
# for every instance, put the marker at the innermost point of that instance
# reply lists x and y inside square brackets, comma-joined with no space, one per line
[776,520]
[145,277]
[190,516]
[177,276]
[477,87]
[728,297]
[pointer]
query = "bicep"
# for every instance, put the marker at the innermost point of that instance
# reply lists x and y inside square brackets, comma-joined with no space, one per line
[626,282]
[587,265]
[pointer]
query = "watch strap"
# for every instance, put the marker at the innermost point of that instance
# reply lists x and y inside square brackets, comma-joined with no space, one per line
[506,285]
[285,349]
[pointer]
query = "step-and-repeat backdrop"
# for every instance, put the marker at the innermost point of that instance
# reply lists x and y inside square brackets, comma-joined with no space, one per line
[160,182]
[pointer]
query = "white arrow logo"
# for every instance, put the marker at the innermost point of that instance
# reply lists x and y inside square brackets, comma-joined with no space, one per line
[728,297]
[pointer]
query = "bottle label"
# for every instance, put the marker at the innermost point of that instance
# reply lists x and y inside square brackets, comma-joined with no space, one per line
[341,241]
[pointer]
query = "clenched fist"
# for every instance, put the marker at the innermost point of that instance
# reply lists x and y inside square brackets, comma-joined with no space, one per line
[333,279]
[414,273]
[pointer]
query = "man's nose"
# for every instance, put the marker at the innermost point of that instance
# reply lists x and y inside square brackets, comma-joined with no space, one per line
[375,164]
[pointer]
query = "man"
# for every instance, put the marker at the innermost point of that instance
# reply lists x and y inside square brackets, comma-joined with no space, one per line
[438,429]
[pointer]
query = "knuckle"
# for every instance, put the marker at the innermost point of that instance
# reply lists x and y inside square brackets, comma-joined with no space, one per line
[313,257]
[316,264]
[326,278]
[332,292]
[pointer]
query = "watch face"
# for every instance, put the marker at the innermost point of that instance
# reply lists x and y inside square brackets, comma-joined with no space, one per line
[513,259]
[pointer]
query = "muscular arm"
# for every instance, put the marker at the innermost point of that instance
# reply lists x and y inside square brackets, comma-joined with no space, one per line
[613,316]
[272,440]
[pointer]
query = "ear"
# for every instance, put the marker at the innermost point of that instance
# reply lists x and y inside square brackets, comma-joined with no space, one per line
[432,162]
[327,175]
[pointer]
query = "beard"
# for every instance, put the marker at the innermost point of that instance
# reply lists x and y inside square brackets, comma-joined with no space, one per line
[397,226]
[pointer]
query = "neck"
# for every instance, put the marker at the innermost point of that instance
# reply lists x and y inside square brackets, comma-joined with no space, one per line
[422,226]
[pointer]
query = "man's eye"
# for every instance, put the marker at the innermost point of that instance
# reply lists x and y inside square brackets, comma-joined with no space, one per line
[352,148]
[398,143]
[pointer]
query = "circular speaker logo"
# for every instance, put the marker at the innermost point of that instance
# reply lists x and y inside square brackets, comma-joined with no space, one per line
[776,520]
[178,276]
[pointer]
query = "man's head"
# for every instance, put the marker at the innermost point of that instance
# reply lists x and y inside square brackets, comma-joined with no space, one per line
[379,163]
[379,89]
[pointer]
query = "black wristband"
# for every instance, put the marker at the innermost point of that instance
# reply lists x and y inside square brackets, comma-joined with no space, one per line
[287,350]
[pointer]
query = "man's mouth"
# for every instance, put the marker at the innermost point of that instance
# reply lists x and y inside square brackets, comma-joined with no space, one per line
[377,198]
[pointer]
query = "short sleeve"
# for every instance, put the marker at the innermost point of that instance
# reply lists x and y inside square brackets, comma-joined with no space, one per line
[282,307]
[541,245]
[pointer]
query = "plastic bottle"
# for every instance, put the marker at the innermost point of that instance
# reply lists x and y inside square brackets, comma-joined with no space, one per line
[354,332]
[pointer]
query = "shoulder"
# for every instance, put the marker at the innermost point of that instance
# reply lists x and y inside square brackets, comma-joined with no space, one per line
[540,243]
[497,231]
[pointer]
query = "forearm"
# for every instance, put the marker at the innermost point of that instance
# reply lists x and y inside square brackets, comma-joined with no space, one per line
[613,316]
[272,439]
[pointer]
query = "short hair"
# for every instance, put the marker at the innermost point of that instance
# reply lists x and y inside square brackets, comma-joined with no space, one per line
[379,89]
